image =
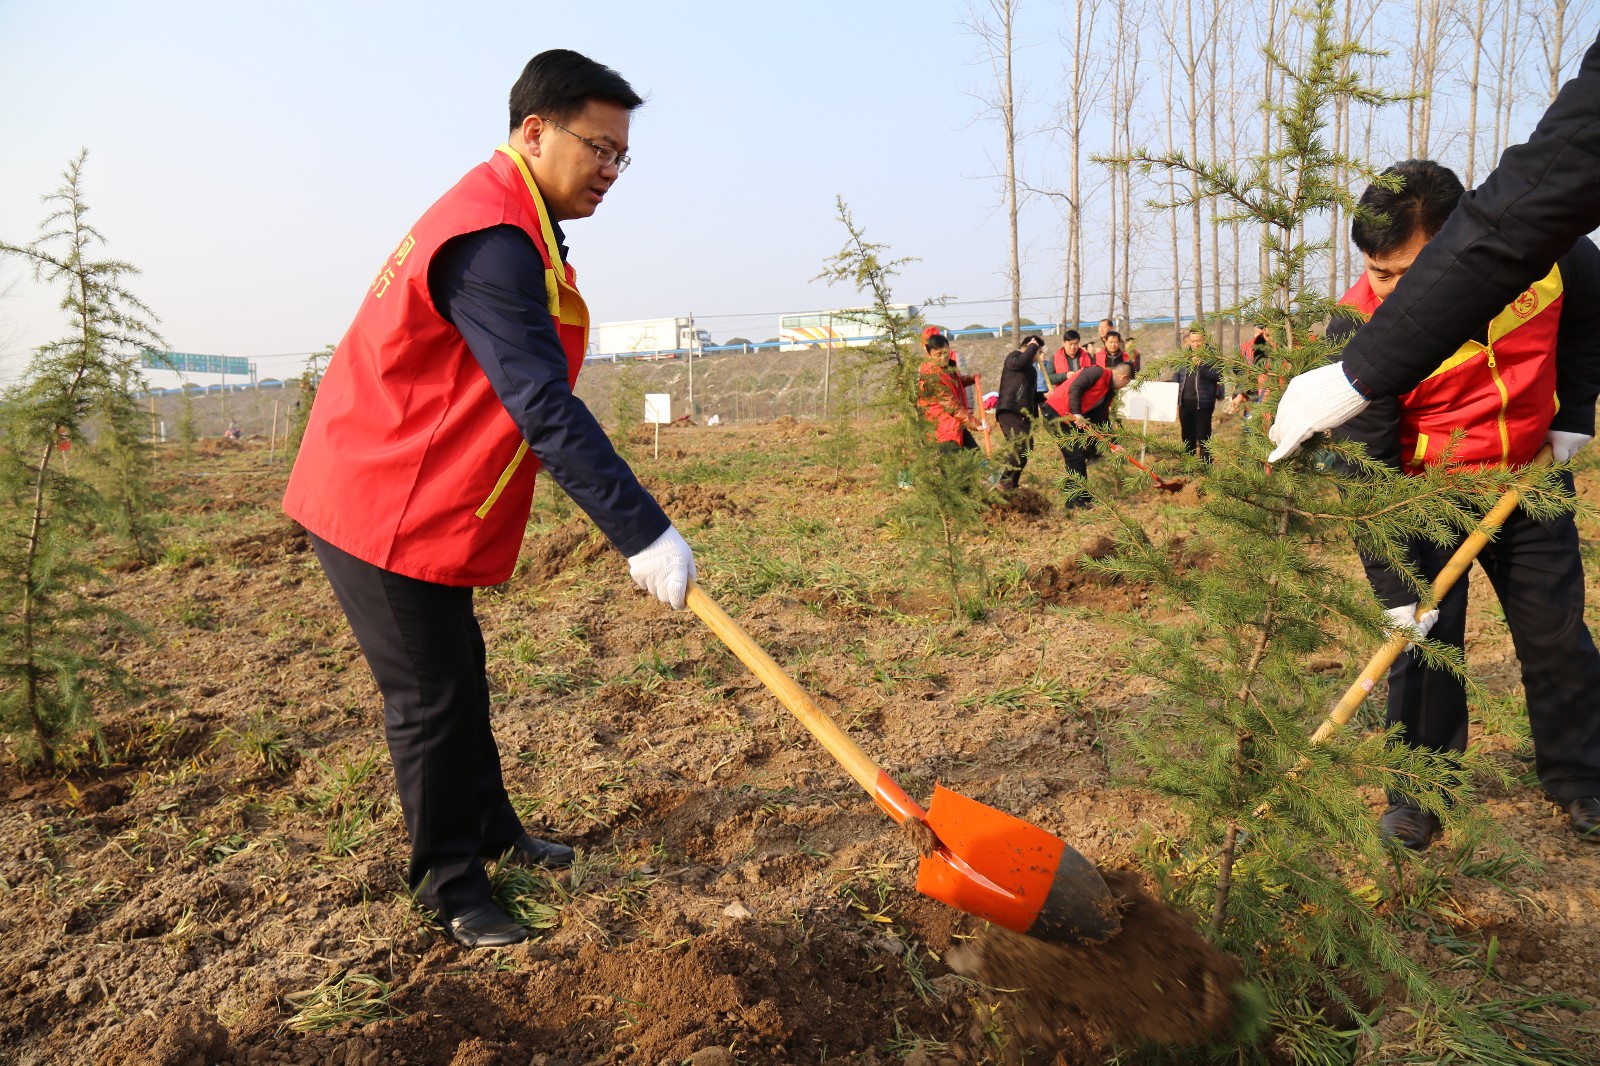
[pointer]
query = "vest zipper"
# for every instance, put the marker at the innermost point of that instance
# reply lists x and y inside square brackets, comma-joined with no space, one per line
[1505,399]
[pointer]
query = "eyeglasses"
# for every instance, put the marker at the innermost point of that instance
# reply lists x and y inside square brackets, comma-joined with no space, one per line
[606,154]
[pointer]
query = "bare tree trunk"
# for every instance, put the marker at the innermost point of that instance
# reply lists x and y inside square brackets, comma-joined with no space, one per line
[1216,23]
[1192,70]
[1428,73]
[1131,25]
[1235,150]
[1553,40]
[1007,10]
[1172,221]
[1475,38]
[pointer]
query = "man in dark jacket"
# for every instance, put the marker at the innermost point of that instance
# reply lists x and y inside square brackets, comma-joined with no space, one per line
[1199,383]
[1016,406]
[1502,237]
[1527,372]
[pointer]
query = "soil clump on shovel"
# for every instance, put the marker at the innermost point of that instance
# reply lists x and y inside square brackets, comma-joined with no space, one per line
[1157,981]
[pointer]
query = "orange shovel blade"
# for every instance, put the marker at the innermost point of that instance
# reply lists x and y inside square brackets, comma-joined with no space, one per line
[1014,874]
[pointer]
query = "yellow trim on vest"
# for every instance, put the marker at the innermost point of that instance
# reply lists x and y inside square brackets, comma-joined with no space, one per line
[1544,291]
[505,479]
[1422,450]
[538,202]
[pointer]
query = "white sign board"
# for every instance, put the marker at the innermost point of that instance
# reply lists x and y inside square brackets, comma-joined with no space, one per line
[658,407]
[1153,401]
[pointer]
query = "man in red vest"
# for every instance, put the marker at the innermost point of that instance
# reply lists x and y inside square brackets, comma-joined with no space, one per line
[942,395]
[1530,373]
[1086,398]
[452,388]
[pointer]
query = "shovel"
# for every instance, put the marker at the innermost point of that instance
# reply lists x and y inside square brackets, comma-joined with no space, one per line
[974,858]
[977,391]
[1161,483]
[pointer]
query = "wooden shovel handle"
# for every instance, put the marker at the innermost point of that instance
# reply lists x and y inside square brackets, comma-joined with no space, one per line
[1392,648]
[856,762]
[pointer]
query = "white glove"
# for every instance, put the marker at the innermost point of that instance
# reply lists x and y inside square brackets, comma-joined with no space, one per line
[1406,618]
[665,568]
[1314,402]
[1564,445]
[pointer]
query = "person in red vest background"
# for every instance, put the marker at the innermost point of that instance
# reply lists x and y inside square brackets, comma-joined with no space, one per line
[1530,372]
[449,392]
[942,395]
[1086,398]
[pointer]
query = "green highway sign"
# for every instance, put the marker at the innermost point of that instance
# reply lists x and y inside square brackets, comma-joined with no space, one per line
[190,363]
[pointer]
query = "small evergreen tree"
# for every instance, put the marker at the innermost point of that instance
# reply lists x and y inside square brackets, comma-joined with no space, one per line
[51,673]
[310,378]
[946,500]
[188,426]
[1282,852]
[123,460]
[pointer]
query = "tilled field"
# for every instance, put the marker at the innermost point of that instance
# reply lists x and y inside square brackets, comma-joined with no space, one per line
[225,883]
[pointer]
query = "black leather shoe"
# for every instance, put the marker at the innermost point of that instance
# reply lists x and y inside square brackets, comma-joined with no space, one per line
[484,926]
[1585,816]
[1411,827]
[531,851]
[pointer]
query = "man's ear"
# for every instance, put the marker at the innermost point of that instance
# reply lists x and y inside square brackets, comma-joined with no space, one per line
[533,130]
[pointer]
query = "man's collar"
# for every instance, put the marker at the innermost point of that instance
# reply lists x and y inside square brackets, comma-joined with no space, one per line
[561,238]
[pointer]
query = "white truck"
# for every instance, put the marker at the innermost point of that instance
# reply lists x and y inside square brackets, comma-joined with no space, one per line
[650,338]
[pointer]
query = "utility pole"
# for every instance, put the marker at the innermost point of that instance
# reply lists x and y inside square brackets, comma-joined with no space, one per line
[692,336]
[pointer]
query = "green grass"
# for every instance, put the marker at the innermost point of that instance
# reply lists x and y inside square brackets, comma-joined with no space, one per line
[345,997]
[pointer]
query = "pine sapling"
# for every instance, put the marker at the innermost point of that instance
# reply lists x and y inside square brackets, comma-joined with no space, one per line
[945,497]
[50,673]
[1283,855]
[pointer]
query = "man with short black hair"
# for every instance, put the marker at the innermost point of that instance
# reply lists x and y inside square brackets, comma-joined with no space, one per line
[450,390]
[942,395]
[1086,399]
[1531,372]
[1199,386]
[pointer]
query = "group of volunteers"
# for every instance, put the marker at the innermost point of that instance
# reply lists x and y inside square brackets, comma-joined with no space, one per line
[453,388]
[1075,387]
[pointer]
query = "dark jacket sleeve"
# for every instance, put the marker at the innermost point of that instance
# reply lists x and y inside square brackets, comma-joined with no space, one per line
[1578,342]
[1081,384]
[490,286]
[1501,238]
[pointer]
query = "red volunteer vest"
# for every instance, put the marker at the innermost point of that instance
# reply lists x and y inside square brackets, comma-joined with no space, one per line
[1093,396]
[1501,394]
[1063,363]
[943,400]
[410,461]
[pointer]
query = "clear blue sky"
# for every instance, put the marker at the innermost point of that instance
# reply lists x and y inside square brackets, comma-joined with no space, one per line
[258,161]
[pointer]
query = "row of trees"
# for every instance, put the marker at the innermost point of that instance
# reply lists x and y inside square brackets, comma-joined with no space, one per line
[1193,79]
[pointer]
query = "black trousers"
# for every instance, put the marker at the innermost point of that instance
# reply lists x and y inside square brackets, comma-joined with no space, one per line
[1018,429]
[426,652]
[1194,422]
[1538,576]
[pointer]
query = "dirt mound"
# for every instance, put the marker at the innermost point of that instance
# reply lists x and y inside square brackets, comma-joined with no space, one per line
[185,1036]
[575,544]
[697,504]
[1022,500]
[1157,981]
[287,539]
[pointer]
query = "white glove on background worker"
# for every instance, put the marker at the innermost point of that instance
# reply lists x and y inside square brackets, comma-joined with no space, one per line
[1313,402]
[665,568]
[1564,445]
[1406,618]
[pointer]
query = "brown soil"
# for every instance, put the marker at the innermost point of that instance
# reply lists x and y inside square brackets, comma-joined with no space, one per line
[1157,981]
[737,899]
